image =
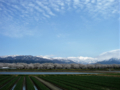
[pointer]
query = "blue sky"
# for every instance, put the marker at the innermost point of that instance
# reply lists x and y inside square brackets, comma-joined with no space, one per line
[60,28]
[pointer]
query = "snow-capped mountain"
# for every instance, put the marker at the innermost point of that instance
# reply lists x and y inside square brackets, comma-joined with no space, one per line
[110,61]
[31,59]
[43,59]
[112,57]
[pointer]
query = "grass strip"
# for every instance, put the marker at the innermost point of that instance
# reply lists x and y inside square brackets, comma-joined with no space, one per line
[5,81]
[19,84]
[79,85]
[59,84]
[39,85]
[29,84]
[4,77]
[9,85]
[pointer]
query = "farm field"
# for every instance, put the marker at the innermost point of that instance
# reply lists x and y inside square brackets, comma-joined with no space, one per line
[63,82]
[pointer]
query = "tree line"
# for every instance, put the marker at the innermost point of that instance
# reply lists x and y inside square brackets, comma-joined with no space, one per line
[59,66]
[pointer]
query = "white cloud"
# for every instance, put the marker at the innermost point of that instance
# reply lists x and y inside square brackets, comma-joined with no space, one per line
[39,9]
[87,60]
[83,59]
[104,56]
[93,7]
[76,2]
[109,54]
[43,9]
[87,1]
[54,6]
[93,1]
[46,56]
[68,2]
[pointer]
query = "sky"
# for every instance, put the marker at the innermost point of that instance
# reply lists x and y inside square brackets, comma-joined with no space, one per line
[59,28]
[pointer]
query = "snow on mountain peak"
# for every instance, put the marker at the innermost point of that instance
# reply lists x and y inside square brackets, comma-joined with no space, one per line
[80,59]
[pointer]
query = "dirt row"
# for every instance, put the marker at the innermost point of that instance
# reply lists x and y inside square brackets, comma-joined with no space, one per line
[51,86]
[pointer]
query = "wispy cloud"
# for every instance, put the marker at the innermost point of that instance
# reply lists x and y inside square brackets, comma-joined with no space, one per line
[45,7]
[38,10]
[76,3]
[103,7]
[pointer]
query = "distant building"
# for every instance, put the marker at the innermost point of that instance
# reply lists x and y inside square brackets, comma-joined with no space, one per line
[5,68]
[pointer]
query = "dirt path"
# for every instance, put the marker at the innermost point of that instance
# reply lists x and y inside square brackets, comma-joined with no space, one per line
[51,86]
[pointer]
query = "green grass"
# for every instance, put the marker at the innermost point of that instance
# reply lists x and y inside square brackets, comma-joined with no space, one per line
[2,78]
[5,81]
[84,82]
[109,81]
[29,84]
[39,85]
[9,85]
[19,84]
[59,84]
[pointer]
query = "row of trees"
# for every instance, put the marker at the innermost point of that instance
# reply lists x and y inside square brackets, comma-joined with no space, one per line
[58,66]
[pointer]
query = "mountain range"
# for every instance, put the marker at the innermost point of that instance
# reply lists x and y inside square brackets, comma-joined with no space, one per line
[110,61]
[31,59]
[40,59]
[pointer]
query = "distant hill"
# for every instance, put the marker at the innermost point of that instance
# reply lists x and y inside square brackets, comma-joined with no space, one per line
[40,59]
[110,61]
[31,59]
